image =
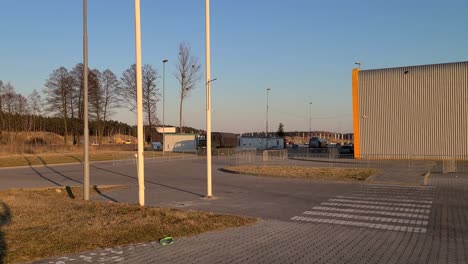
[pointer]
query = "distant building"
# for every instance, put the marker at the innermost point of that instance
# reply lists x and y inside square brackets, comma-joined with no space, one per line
[261,143]
[411,112]
[160,130]
[180,142]
[219,140]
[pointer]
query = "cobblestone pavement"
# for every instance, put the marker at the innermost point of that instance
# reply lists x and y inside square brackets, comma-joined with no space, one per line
[370,224]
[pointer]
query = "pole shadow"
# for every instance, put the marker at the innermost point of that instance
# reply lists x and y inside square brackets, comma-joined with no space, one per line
[56,171]
[40,174]
[96,189]
[150,182]
[75,158]
[5,218]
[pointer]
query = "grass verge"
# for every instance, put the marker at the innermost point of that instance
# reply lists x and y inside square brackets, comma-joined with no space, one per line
[313,173]
[41,223]
[60,158]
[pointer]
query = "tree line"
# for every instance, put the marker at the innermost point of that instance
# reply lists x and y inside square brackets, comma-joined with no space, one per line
[60,105]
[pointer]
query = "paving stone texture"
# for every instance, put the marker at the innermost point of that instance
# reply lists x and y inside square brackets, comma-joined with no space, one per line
[371,224]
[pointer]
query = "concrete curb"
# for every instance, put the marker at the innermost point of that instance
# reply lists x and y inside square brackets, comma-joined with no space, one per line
[241,173]
[371,179]
[326,160]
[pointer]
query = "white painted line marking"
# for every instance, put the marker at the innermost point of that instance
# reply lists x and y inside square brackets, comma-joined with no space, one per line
[361,224]
[400,209]
[394,194]
[369,218]
[385,199]
[349,210]
[381,203]
[378,195]
[396,186]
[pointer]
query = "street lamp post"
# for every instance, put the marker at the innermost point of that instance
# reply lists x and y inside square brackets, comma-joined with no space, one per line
[268,90]
[358,63]
[266,144]
[164,87]
[310,120]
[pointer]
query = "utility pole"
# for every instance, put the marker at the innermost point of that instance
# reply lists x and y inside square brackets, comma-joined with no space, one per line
[85,104]
[310,120]
[164,88]
[141,159]
[266,134]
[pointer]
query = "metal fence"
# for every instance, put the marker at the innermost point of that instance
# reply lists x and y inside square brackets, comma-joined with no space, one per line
[275,155]
[403,162]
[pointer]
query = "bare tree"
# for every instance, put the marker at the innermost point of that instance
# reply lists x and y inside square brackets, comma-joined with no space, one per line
[187,73]
[78,88]
[127,90]
[35,103]
[2,119]
[110,85]
[2,92]
[128,96]
[150,94]
[35,109]
[95,98]
[20,104]
[76,99]
[9,98]
[103,98]
[58,90]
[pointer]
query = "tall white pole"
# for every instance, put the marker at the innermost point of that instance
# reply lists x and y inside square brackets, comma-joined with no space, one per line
[85,104]
[268,90]
[164,88]
[310,120]
[208,99]
[141,163]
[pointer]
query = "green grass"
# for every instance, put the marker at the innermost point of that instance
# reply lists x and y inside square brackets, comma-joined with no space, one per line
[41,223]
[313,173]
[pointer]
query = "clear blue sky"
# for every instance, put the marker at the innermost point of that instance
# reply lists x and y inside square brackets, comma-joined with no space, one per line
[303,50]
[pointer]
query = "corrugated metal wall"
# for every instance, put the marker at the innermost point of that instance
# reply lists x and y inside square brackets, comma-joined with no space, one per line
[414,112]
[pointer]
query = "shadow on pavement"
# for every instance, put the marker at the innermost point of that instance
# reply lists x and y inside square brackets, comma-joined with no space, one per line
[40,174]
[57,172]
[5,218]
[151,182]
[96,189]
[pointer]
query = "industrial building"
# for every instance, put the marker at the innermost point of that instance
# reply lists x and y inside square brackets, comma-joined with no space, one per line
[261,143]
[180,142]
[413,112]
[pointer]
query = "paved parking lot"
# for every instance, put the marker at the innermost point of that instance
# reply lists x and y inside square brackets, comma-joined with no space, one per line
[303,221]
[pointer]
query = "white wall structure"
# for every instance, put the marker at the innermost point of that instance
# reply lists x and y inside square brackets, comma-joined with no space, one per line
[180,143]
[166,130]
[260,143]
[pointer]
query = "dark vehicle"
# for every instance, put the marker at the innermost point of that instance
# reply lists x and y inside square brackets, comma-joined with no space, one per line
[274,148]
[347,149]
[219,140]
[316,142]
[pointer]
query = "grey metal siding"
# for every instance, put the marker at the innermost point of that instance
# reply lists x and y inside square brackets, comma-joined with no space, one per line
[422,113]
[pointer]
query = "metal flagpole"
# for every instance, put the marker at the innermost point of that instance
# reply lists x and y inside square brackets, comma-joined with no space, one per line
[141,164]
[85,102]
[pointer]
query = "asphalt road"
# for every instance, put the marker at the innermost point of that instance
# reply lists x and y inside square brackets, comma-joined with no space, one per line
[182,184]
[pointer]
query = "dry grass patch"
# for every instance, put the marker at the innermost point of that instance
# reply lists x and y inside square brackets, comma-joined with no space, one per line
[40,223]
[60,158]
[314,173]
